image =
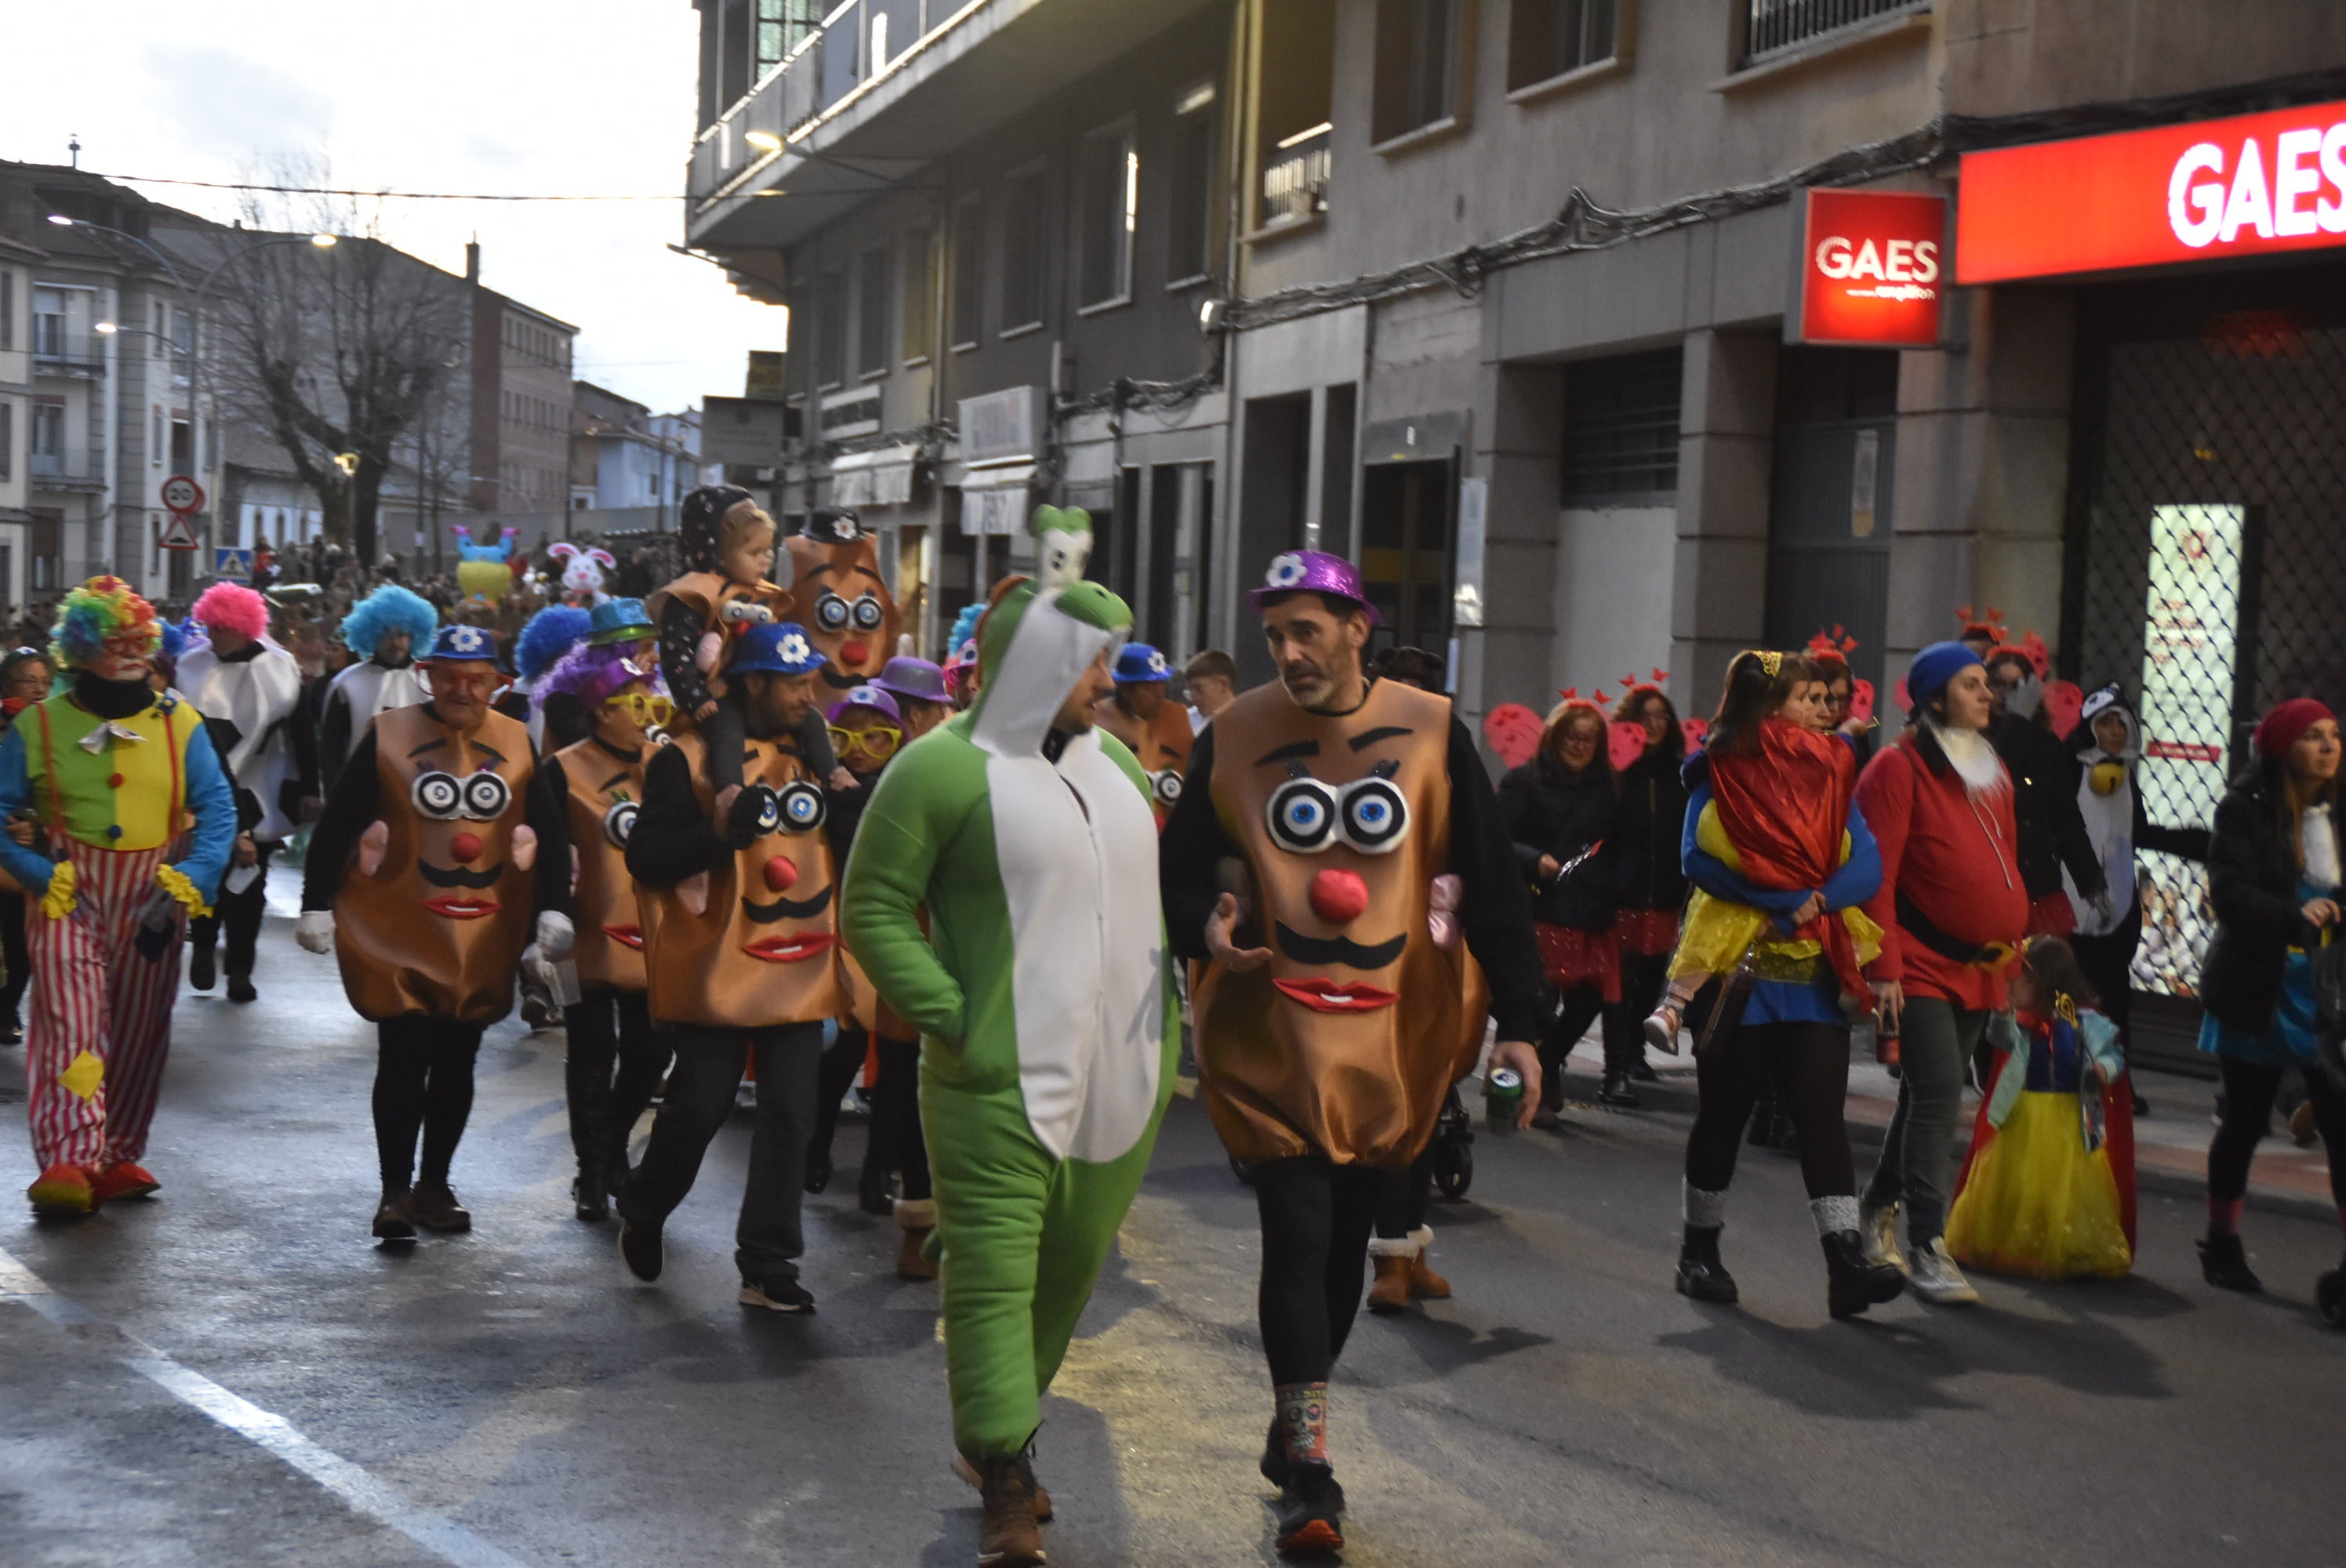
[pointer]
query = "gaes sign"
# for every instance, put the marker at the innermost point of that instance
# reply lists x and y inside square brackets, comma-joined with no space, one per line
[1870,269]
[2240,187]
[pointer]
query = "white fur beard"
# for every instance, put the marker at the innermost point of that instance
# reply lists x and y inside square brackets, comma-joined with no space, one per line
[1974,759]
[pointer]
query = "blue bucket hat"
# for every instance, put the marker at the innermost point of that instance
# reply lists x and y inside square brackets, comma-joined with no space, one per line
[618,621]
[1139,662]
[777,647]
[460,643]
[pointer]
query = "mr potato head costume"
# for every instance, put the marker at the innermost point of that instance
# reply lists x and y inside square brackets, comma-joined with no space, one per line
[1042,993]
[741,956]
[438,844]
[1328,1064]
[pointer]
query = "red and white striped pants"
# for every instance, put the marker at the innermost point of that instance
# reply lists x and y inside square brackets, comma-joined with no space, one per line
[101,1023]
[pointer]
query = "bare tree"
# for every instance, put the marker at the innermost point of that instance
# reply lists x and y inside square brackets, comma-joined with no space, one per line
[347,351]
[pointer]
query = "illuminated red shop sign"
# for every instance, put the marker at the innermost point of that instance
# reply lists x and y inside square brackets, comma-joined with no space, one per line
[2240,187]
[1871,268]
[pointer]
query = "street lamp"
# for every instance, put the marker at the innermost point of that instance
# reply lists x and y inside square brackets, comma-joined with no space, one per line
[763,140]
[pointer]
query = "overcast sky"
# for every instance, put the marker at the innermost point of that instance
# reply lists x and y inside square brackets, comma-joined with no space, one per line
[582,97]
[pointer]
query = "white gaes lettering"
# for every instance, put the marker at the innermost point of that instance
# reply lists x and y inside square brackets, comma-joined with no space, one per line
[1896,261]
[2306,192]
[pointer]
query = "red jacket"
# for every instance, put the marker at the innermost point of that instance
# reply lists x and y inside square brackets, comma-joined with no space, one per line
[1956,858]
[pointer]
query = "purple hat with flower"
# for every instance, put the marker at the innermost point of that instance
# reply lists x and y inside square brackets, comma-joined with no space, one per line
[1312,572]
[866,695]
[917,678]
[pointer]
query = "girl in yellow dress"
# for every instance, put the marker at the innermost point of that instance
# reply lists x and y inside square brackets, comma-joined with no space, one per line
[2048,1190]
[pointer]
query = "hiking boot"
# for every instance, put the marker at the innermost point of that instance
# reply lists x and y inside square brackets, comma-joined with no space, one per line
[1935,1277]
[436,1208]
[1310,1510]
[1853,1283]
[1616,1091]
[1010,1535]
[968,1472]
[1701,1277]
[394,1217]
[202,967]
[240,988]
[2224,1263]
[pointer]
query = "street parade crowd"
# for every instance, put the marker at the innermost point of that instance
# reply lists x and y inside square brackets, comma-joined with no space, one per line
[734,830]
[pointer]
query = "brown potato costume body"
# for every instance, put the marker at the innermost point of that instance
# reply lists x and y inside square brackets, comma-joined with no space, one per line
[434,915]
[605,792]
[843,601]
[1345,1044]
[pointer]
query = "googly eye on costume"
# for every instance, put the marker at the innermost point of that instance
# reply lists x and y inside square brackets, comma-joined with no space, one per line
[619,823]
[438,796]
[1303,816]
[830,612]
[746,613]
[868,613]
[1375,816]
[486,796]
[1165,786]
[1285,572]
[800,807]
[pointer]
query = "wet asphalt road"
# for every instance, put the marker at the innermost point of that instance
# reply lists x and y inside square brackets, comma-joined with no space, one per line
[1567,1408]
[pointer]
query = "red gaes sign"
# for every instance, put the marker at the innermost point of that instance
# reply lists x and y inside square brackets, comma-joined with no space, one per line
[2240,187]
[1871,268]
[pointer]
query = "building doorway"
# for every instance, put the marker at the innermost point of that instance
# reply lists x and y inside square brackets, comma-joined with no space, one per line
[1829,500]
[1407,524]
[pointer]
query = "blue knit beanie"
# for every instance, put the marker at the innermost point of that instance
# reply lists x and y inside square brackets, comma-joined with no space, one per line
[1933,668]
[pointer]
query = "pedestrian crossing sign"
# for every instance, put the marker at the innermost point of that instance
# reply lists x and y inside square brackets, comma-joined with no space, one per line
[232,566]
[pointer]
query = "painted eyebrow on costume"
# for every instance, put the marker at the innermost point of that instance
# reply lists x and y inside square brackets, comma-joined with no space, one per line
[1292,751]
[433,745]
[860,570]
[497,759]
[619,778]
[1368,738]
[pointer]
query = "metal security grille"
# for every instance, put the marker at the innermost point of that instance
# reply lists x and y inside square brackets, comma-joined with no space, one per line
[1621,428]
[1772,25]
[2207,533]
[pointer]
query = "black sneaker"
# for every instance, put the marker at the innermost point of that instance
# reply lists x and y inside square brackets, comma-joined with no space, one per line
[782,1296]
[1311,1514]
[640,1248]
[201,962]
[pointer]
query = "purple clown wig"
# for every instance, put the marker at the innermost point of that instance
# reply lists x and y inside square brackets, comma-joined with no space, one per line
[593,673]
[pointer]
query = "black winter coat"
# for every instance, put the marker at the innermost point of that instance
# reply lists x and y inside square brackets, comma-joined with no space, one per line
[1647,833]
[2252,875]
[1547,813]
[2052,831]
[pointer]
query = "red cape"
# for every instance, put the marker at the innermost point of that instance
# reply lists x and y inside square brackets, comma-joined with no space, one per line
[1785,807]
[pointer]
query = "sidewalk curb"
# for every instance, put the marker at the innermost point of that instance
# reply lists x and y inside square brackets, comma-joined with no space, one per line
[1675,1093]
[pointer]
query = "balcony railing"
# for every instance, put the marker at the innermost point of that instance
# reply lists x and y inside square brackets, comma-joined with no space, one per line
[1295,179]
[56,349]
[1772,27]
[62,469]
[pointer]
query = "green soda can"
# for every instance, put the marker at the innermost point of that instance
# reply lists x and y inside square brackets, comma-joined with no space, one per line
[1503,1097]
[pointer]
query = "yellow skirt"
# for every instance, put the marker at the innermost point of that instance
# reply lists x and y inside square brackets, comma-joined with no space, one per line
[1716,933]
[2036,1203]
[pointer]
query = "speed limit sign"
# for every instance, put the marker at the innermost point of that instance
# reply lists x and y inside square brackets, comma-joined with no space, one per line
[181,494]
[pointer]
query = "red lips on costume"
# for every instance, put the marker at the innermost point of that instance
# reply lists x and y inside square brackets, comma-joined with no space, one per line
[781,874]
[626,936]
[1339,896]
[1328,996]
[462,906]
[465,847]
[793,948]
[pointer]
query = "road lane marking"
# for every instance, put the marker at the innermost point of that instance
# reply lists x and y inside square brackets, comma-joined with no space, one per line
[352,1483]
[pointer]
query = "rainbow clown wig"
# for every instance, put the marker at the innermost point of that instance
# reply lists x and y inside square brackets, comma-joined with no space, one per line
[232,607]
[95,615]
[390,609]
[593,673]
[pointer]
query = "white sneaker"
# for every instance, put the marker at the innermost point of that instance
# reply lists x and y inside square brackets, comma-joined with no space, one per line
[1935,1277]
[1880,1229]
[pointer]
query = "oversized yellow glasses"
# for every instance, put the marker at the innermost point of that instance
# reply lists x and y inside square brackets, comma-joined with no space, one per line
[880,741]
[647,709]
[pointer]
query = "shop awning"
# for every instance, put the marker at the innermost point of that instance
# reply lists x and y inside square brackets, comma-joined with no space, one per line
[995,497]
[883,477]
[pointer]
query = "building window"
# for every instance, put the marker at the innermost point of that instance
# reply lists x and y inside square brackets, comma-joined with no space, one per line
[831,329]
[1769,25]
[1417,65]
[48,323]
[969,270]
[1107,201]
[1190,187]
[781,24]
[49,432]
[872,314]
[7,441]
[1547,39]
[1621,428]
[1024,220]
[8,310]
[919,309]
[48,550]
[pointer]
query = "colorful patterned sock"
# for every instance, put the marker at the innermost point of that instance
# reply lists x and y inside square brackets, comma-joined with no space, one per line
[1303,1419]
[2224,1214]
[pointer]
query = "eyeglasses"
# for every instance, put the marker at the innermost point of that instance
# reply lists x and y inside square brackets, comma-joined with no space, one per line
[647,709]
[880,741]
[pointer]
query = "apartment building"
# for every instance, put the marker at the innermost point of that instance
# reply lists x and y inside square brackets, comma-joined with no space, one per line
[17,263]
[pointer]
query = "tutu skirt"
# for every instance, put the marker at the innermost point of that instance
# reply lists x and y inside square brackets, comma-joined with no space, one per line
[2034,1201]
[1572,959]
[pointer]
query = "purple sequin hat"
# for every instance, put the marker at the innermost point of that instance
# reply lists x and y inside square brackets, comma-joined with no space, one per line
[914,678]
[1312,572]
[871,697]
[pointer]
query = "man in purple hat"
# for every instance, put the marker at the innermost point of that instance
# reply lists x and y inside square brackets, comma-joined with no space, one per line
[1337,1006]
[919,688]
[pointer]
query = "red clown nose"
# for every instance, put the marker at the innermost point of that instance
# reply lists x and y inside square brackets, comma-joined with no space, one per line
[465,847]
[853,652]
[781,874]
[1339,897]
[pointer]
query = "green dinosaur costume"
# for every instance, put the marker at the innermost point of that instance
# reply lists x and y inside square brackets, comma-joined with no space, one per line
[1043,990]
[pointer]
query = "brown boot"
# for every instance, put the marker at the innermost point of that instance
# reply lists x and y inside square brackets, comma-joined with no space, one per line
[1009,1536]
[1423,1282]
[436,1208]
[916,1219]
[1390,1292]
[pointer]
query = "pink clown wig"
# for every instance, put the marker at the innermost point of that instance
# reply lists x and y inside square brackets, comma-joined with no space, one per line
[233,608]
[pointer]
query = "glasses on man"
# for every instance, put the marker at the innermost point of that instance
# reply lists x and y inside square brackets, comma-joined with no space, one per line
[646,710]
[879,742]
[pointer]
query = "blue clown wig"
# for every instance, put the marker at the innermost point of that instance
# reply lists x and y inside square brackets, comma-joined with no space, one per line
[388,609]
[593,673]
[551,633]
[96,613]
[964,628]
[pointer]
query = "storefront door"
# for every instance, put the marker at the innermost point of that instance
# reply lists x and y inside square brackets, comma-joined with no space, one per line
[1829,503]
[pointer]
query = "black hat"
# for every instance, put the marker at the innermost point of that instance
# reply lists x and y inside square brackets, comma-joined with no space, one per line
[696,527]
[833,526]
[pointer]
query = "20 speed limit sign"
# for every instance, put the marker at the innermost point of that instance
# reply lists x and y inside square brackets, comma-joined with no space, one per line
[181,494]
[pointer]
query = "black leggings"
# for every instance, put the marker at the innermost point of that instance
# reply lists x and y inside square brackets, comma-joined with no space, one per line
[1582,1006]
[1316,1219]
[2249,1090]
[843,1059]
[16,956]
[1810,1062]
[612,1064]
[238,915]
[423,1079]
[1402,1197]
[1644,976]
[896,1143]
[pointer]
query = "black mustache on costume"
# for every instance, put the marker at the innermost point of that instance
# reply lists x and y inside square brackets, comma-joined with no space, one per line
[788,908]
[1328,950]
[458,877]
